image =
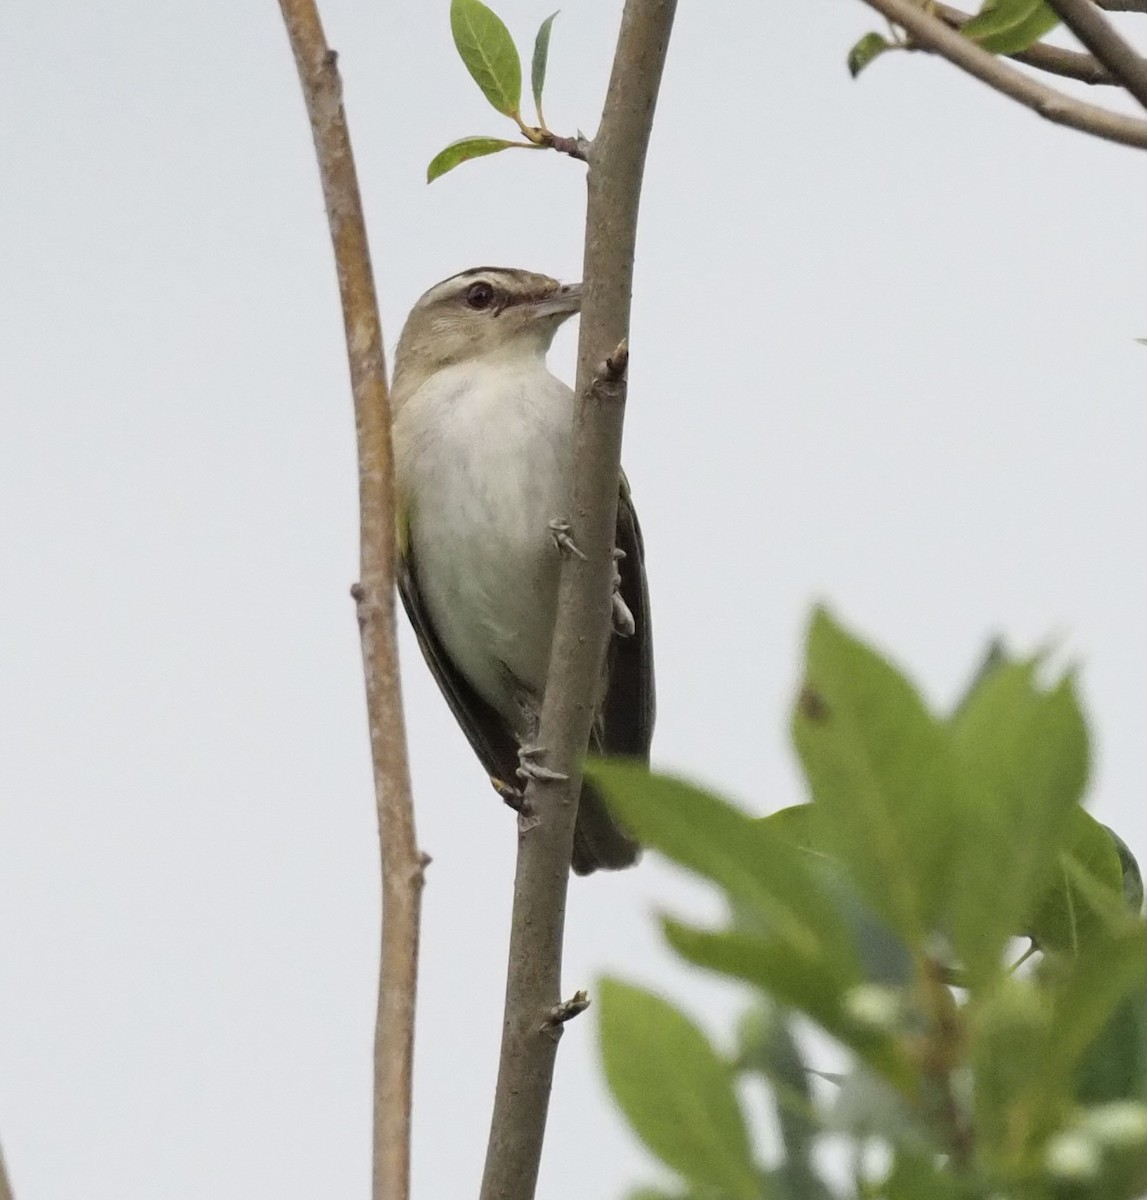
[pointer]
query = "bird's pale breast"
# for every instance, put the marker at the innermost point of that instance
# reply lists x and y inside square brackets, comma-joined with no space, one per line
[482,453]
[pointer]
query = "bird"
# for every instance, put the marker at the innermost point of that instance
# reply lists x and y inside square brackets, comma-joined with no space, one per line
[482,437]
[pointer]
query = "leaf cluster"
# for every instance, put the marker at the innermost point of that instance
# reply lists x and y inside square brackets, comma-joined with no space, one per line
[487,49]
[1001,27]
[885,911]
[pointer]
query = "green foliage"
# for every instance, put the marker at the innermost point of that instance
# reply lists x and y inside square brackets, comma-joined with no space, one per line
[1010,26]
[1022,754]
[871,46]
[486,48]
[463,150]
[676,1090]
[880,769]
[883,911]
[538,65]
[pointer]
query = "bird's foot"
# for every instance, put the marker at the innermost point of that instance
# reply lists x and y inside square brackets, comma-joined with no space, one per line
[530,768]
[623,623]
[560,532]
[515,798]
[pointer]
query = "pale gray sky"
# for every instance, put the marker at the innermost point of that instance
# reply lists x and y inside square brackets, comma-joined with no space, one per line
[882,354]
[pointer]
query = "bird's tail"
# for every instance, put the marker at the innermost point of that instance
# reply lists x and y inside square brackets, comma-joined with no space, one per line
[599,842]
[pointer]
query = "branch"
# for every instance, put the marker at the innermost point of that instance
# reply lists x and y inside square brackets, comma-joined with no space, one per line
[1054,106]
[1097,33]
[1135,6]
[1068,63]
[402,865]
[5,1186]
[529,1036]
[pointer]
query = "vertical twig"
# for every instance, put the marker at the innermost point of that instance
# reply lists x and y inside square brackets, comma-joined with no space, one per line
[5,1186]
[529,1034]
[1097,33]
[374,593]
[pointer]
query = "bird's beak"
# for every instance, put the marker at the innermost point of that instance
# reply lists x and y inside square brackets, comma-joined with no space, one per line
[563,303]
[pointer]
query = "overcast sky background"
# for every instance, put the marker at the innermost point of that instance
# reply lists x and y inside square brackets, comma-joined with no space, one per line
[883,355]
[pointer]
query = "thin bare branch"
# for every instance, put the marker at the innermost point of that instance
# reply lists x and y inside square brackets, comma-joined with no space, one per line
[1069,64]
[931,33]
[1135,6]
[1097,33]
[5,1186]
[402,865]
[529,1035]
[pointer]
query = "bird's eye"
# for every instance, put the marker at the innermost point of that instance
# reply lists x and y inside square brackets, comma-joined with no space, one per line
[479,295]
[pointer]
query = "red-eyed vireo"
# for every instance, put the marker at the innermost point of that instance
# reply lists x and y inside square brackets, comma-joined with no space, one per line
[483,439]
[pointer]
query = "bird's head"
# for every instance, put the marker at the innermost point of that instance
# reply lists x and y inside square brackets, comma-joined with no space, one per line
[486,312]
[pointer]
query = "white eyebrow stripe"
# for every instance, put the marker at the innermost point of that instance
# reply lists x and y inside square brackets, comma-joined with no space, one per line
[457,284]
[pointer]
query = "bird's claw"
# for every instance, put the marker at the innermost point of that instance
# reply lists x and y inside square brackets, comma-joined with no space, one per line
[513,797]
[560,533]
[623,623]
[530,768]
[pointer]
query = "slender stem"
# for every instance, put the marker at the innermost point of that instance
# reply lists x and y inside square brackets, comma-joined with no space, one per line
[1135,6]
[933,34]
[1069,64]
[5,1186]
[1097,33]
[529,1037]
[402,865]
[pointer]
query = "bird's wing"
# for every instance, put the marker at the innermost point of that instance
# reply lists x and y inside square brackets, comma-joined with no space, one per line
[492,739]
[626,720]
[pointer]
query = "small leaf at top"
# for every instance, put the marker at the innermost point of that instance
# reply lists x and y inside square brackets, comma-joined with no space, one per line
[461,151]
[488,51]
[675,1090]
[869,47]
[541,56]
[1010,26]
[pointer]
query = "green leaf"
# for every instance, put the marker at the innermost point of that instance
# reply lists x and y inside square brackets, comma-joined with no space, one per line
[871,46]
[867,1107]
[767,1046]
[701,832]
[1009,26]
[1089,988]
[1010,1034]
[1065,918]
[815,988]
[541,56]
[917,1175]
[801,825]
[1114,1065]
[880,772]
[1132,876]
[1023,761]
[675,1090]
[488,51]
[884,958]
[995,656]
[1032,1038]
[462,151]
